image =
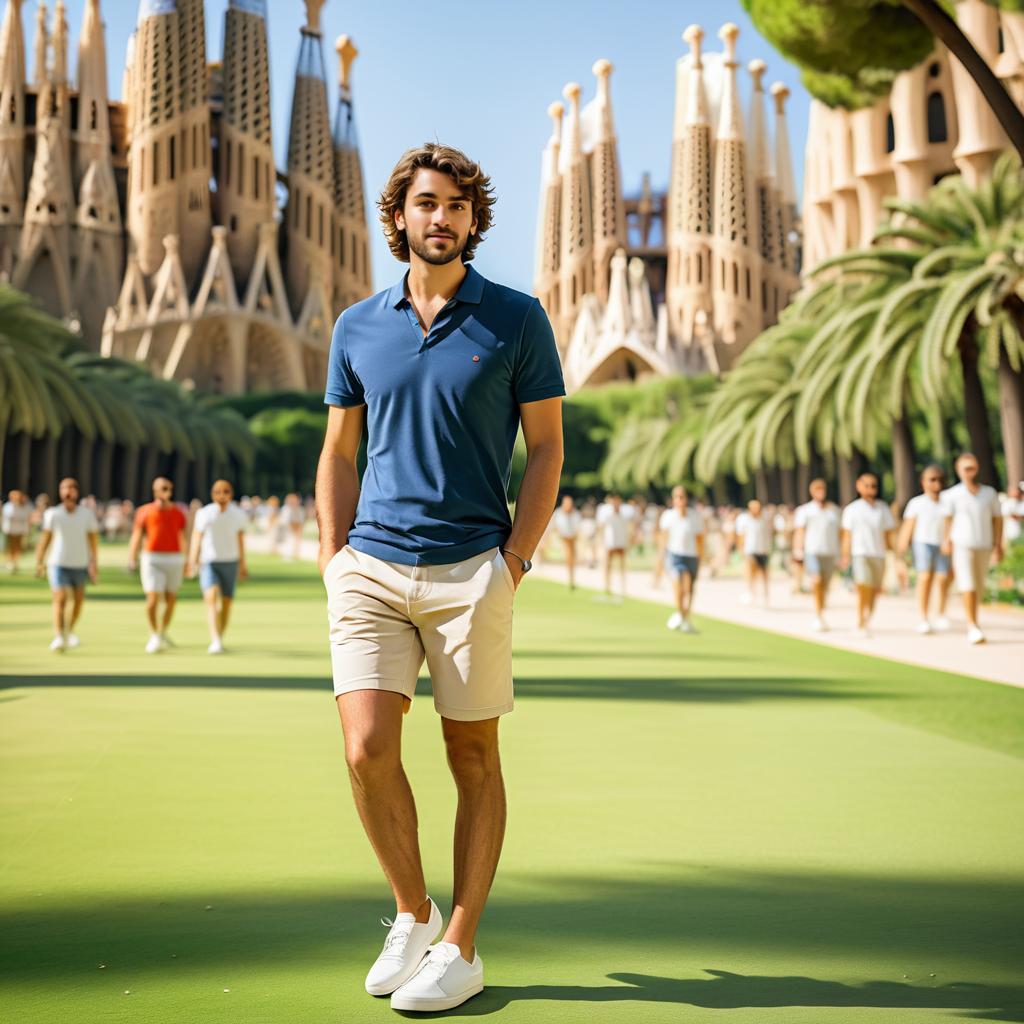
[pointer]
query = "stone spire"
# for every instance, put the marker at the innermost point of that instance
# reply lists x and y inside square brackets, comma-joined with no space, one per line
[760,163]
[784,183]
[308,217]
[351,247]
[732,284]
[92,138]
[12,133]
[688,283]
[618,314]
[609,208]
[246,173]
[576,263]
[549,222]
[41,47]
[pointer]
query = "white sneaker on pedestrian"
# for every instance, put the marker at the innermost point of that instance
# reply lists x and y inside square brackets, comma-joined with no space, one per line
[975,636]
[166,641]
[154,644]
[444,981]
[404,949]
[924,627]
[73,640]
[819,625]
[216,647]
[675,620]
[862,633]
[942,624]
[686,626]
[57,644]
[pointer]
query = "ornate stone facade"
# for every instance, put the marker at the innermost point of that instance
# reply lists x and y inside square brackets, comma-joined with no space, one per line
[160,223]
[667,283]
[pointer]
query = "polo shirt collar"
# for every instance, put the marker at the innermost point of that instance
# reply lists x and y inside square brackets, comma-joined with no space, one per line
[471,290]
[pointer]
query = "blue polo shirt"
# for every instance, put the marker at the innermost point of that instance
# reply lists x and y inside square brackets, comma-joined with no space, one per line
[442,413]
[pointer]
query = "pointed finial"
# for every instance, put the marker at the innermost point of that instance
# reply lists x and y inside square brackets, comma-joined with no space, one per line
[572,93]
[313,8]
[728,33]
[556,111]
[603,68]
[347,53]
[781,93]
[757,68]
[692,37]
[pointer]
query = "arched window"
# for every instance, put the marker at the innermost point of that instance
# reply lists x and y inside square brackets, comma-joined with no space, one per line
[890,135]
[937,118]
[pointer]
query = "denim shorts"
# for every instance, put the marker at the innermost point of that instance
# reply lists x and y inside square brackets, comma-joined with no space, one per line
[678,564]
[929,557]
[821,566]
[219,574]
[61,577]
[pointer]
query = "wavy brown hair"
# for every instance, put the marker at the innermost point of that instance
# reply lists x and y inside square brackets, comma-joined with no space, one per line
[465,172]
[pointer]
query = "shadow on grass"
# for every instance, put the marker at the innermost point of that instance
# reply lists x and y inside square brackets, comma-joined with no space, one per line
[714,690]
[964,929]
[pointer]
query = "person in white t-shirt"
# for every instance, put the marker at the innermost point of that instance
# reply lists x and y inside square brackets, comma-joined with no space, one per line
[616,523]
[1012,507]
[15,517]
[74,533]
[754,530]
[973,536]
[681,545]
[922,531]
[816,542]
[566,523]
[867,534]
[218,549]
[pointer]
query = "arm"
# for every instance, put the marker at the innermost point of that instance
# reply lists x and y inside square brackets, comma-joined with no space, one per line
[890,540]
[798,540]
[133,546]
[337,479]
[192,559]
[94,549]
[947,537]
[542,431]
[44,542]
[243,569]
[700,546]
[997,537]
[906,532]
[844,548]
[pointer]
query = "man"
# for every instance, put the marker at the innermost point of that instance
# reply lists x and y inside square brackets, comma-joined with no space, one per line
[15,516]
[615,521]
[441,368]
[73,559]
[867,533]
[162,523]
[923,531]
[291,519]
[973,536]
[218,548]
[681,545]
[754,529]
[566,522]
[1013,514]
[816,541]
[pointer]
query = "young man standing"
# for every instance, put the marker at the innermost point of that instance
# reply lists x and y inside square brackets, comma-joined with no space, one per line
[15,517]
[923,531]
[73,559]
[973,536]
[681,544]
[754,528]
[566,522]
[162,523]
[424,560]
[615,522]
[816,540]
[218,548]
[867,533]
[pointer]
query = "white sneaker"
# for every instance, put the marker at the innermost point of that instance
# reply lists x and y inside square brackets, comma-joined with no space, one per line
[924,627]
[444,981]
[154,644]
[216,647]
[975,636]
[404,949]
[57,644]
[819,625]
[862,633]
[675,620]
[686,626]
[942,624]
[73,640]
[166,641]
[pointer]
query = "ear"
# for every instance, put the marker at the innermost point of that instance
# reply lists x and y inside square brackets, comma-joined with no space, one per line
[400,220]
[472,227]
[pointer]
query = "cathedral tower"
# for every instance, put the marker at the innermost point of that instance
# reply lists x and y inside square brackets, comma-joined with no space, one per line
[576,263]
[549,223]
[12,134]
[609,211]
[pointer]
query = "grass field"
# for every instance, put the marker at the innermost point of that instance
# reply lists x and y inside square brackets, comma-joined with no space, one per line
[730,827]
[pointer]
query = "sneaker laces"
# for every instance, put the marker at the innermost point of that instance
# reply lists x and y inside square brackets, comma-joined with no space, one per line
[437,962]
[398,938]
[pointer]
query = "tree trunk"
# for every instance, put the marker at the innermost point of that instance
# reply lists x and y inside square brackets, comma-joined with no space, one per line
[47,478]
[787,485]
[803,481]
[83,460]
[975,413]
[104,470]
[847,470]
[129,472]
[148,474]
[903,459]
[761,485]
[1011,418]
[936,19]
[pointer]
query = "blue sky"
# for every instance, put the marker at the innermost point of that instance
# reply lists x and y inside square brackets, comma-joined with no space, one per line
[481,77]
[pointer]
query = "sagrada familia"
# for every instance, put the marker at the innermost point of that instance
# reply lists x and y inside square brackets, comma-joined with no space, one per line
[677,282]
[160,224]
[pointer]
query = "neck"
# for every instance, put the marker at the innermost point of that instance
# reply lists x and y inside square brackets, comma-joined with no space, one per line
[428,281]
[971,485]
[70,504]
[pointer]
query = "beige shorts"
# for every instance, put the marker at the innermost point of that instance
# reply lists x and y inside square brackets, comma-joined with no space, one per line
[385,617]
[161,572]
[868,570]
[970,568]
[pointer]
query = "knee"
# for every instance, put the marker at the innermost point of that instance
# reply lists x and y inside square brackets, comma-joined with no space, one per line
[473,757]
[368,754]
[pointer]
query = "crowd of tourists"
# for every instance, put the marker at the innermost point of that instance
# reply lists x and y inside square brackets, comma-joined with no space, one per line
[945,534]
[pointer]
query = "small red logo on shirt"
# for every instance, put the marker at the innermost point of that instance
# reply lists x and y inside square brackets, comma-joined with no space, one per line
[476,359]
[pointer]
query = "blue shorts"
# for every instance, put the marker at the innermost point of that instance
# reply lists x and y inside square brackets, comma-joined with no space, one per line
[219,574]
[929,557]
[678,564]
[62,577]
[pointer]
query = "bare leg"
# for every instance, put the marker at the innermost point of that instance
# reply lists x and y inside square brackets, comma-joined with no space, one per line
[170,600]
[622,570]
[865,604]
[479,823]
[818,589]
[210,596]
[765,573]
[944,580]
[77,600]
[60,599]
[924,593]
[372,722]
[971,607]
[686,585]
[152,600]
[225,613]
[569,545]
[607,572]
[677,592]
[749,567]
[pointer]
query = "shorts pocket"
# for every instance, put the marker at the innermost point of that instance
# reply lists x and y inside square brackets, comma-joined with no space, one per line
[505,570]
[330,567]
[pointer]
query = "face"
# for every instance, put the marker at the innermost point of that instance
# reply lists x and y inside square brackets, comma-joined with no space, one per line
[221,492]
[68,491]
[754,507]
[615,501]
[818,490]
[567,503]
[931,481]
[679,499]
[867,487]
[162,489]
[437,217]
[967,468]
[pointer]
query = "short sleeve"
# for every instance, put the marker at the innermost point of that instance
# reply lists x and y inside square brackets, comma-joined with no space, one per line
[343,386]
[665,520]
[996,510]
[910,512]
[538,372]
[698,523]
[888,523]
[846,521]
[92,525]
[182,518]
[140,516]
[800,517]
[48,519]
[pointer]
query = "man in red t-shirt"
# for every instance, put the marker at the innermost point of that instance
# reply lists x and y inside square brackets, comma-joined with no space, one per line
[163,558]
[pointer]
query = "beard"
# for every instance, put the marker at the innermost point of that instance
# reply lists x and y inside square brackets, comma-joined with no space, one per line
[438,258]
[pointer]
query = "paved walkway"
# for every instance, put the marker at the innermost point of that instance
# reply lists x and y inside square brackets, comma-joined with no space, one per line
[1000,660]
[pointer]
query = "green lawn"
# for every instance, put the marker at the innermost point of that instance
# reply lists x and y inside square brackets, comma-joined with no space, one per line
[729,827]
